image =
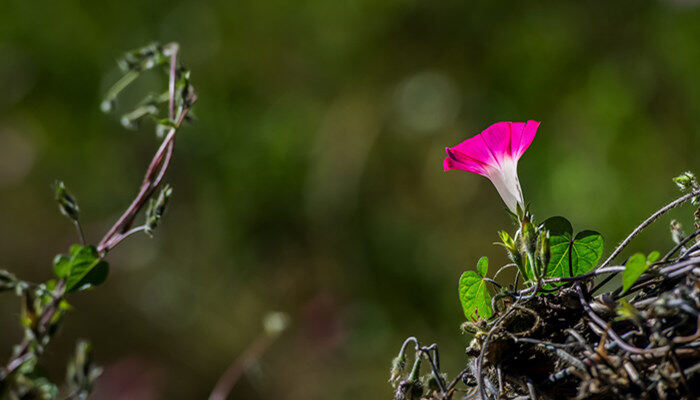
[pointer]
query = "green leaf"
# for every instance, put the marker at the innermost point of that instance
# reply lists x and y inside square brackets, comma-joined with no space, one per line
[95,277]
[82,263]
[475,298]
[587,251]
[626,311]
[61,265]
[63,305]
[634,268]
[578,254]
[82,268]
[483,266]
[560,234]
[75,249]
[652,257]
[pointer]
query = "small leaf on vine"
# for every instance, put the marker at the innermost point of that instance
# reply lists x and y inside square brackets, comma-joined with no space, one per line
[475,297]
[82,268]
[635,267]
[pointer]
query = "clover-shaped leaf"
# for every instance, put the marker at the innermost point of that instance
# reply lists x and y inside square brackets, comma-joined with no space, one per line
[571,256]
[475,297]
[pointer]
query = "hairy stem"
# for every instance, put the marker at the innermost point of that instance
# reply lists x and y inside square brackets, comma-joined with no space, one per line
[646,223]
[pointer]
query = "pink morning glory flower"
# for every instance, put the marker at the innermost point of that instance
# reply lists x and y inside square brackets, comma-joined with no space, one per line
[494,153]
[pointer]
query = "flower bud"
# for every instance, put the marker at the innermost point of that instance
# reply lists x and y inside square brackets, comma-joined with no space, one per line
[397,368]
[66,203]
[430,382]
[677,231]
[528,236]
[686,181]
[143,58]
[156,209]
[81,372]
[7,280]
[511,248]
[409,390]
[543,252]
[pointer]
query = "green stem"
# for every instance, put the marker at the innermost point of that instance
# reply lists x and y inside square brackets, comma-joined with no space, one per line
[415,372]
[120,85]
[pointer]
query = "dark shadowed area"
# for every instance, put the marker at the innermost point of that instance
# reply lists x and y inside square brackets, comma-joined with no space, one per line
[311,181]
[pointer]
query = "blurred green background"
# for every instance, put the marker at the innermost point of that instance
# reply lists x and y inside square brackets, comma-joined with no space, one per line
[312,180]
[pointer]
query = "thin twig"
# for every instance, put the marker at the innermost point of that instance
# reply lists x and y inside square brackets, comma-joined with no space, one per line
[47,314]
[435,368]
[237,368]
[147,189]
[604,326]
[482,353]
[156,170]
[79,229]
[646,223]
[680,245]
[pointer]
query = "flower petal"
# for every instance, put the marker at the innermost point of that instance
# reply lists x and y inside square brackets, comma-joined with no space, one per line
[507,183]
[497,138]
[458,160]
[521,136]
[475,151]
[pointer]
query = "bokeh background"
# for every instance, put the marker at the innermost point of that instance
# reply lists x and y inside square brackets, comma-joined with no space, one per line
[312,180]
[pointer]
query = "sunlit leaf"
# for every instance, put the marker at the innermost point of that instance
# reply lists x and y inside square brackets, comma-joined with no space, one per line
[634,268]
[475,298]
[626,311]
[483,266]
[652,257]
[571,256]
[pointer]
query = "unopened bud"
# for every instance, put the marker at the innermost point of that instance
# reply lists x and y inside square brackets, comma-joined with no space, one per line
[7,280]
[397,368]
[511,248]
[81,372]
[66,203]
[409,390]
[430,382]
[156,209]
[686,181]
[143,58]
[677,231]
[528,237]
